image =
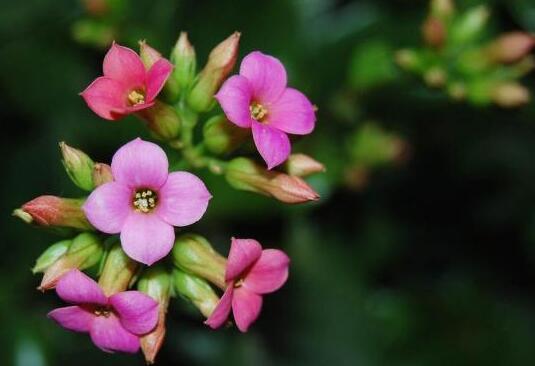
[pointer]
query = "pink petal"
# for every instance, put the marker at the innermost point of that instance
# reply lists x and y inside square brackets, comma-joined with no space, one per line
[221,312]
[140,164]
[156,78]
[78,288]
[108,334]
[246,306]
[138,313]
[243,253]
[106,97]
[272,144]
[269,272]
[73,318]
[108,206]
[235,97]
[146,238]
[124,65]
[138,107]
[292,113]
[266,74]
[183,199]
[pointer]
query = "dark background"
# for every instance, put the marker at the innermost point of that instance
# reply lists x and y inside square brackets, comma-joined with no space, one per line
[431,263]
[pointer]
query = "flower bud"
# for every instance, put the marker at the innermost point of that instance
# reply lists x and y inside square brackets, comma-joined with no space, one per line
[51,255]
[118,271]
[511,47]
[196,290]
[162,120]
[155,282]
[101,174]
[434,32]
[78,165]
[148,55]
[193,254]
[85,251]
[185,61]
[435,77]
[510,95]
[409,60]
[442,8]
[302,165]
[244,174]
[220,62]
[221,136]
[52,211]
[470,25]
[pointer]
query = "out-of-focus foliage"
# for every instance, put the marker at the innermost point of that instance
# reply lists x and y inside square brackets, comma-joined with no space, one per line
[430,262]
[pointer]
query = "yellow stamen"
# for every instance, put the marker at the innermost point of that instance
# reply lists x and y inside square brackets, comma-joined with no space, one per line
[258,111]
[145,200]
[136,97]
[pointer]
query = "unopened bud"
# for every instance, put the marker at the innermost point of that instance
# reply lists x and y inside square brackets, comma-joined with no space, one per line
[193,254]
[511,47]
[78,165]
[94,32]
[434,32]
[409,60]
[470,25]
[185,61]
[51,255]
[118,271]
[221,136]
[196,290]
[101,174]
[457,90]
[442,8]
[510,95]
[85,251]
[155,282]
[302,165]
[52,211]
[435,77]
[162,120]
[96,8]
[244,174]
[220,62]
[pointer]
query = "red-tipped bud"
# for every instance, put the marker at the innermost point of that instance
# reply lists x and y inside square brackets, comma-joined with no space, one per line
[434,32]
[102,174]
[511,47]
[148,55]
[302,165]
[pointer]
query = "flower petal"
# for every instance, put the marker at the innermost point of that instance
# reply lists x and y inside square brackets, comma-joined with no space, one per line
[183,199]
[156,78]
[108,334]
[73,318]
[272,144]
[140,164]
[146,238]
[108,206]
[106,97]
[124,65]
[266,75]
[138,313]
[235,97]
[243,253]
[292,113]
[246,306]
[269,272]
[221,312]
[78,288]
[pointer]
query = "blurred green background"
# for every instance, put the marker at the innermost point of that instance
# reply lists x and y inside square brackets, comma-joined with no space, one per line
[429,259]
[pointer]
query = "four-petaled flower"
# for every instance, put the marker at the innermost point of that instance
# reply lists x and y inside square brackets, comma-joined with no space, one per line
[114,323]
[258,98]
[145,201]
[250,273]
[126,86]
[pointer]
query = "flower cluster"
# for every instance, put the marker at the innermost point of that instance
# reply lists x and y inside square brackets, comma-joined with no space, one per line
[127,223]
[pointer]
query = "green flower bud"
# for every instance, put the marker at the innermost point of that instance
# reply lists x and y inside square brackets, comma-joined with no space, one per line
[51,255]
[78,165]
[221,136]
[185,61]
[193,254]
[196,290]
[148,55]
[162,120]
[118,271]
[470,25]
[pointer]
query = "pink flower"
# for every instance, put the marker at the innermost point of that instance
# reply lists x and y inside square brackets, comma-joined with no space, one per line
[251,272]
[144,201]
[126,86]
[114,323]
[258,98]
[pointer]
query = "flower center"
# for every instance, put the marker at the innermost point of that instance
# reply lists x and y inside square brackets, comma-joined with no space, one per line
[258,111]
[136,97]
[145,200]
[102,311]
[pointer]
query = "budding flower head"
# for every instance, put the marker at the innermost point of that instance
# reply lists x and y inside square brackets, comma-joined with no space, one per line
[101,174]
[220,62]
[185,61]
[196,290]
[51,255]
[302,165]
[510,95]
[193,254]
[118,271]
[434,32]
[511,47]
[162,120]
[221,136]
[78,165]
[245,174]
